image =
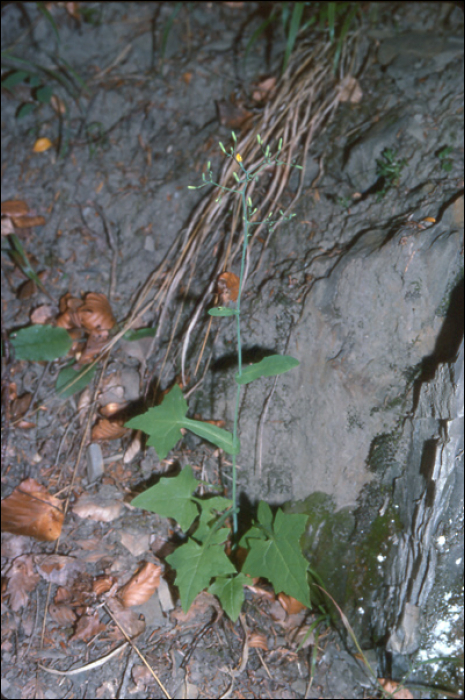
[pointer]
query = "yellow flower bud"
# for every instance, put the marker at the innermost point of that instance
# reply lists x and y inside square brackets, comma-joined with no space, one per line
[238,157]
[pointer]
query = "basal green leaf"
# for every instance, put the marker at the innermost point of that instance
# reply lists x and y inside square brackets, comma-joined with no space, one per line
[44,94]
[279,557]
[163,423]
[139,333]
[40,343]
[14,78]
[25,109]
[268,367]
[222,311]
[222,438]
[195,566]
[230,593]
[171,498]
[69,380]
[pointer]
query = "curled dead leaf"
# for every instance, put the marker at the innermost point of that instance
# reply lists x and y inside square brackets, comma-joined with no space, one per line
[142,585]
[30,510]
[228,287]
[105,429]
[258,641]
[68,307]
[95,344]
[102,585]
[290,605]
[95,313]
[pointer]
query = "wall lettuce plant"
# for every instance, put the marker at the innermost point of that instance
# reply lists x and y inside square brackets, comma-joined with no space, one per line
[273,541]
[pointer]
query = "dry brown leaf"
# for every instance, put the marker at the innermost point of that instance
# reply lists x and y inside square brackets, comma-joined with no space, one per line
[304,637]
[95,508]
[21,581]
[102,585]
[202,603]
[112,408]
[42,314]
[20,406]
[63,615]
[87,627]
[228,287]
[33,512]
[264,89]
[350,90]
[290,605]
[105,429]
[42,145]
[68,317]
[14,207]
[95,313]
[69,303]
[58,569]
[234,116]
[269,595]
[133,448]
[258,641]
[94,346]
[7,226]
[142,585]
[127,618]
[29,288]
[57,104]
[28,221]
[390,687]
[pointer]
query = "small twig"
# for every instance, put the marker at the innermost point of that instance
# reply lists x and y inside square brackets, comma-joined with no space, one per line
[88,667]
[139,654]
[114,249]
[198,637]
[123,690]
[6,394]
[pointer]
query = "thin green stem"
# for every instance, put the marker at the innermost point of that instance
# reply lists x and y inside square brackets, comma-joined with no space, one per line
[239,347]
[249,176]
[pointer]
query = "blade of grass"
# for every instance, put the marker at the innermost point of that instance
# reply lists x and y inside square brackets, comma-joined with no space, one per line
[257,33]
[19,256]
[41,7]
[293,30]
[167,29]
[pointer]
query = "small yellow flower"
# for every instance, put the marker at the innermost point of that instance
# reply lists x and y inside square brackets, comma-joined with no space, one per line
[238,157]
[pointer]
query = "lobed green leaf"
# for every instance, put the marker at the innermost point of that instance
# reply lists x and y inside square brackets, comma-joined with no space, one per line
[268,367]
[172,498]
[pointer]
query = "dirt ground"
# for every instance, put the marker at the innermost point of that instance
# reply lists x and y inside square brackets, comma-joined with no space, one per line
[104,169]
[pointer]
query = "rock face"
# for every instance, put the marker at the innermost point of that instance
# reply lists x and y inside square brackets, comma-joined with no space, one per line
[429,495]
[366,435]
